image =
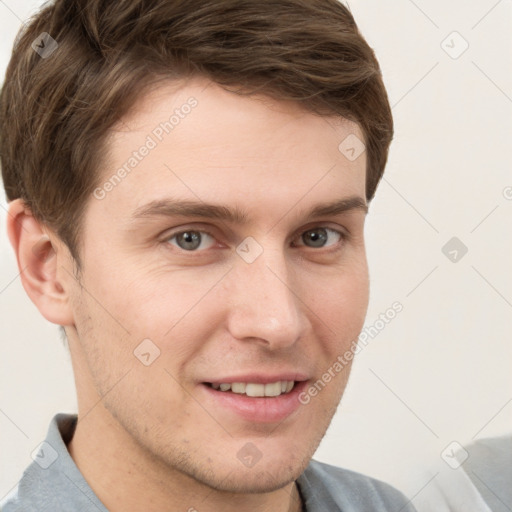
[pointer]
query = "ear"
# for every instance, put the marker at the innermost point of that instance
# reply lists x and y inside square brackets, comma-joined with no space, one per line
[40,256]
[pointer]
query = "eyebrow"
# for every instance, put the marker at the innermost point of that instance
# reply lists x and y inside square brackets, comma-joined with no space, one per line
[173,208]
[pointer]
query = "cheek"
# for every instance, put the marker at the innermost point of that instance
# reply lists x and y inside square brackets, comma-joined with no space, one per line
[171,305]
[177,310]
[102,348]
[341,299]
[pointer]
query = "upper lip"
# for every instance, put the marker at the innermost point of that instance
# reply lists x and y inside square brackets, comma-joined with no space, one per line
[260,378]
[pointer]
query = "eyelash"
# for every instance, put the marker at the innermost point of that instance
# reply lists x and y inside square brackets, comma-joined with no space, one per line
[344,237]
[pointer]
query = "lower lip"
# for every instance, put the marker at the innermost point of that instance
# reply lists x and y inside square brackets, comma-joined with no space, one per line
[257,409]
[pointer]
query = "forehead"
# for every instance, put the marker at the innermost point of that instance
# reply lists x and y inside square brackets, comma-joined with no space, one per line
[196,140]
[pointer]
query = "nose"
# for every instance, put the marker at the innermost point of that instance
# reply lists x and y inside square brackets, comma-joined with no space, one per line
[265,304]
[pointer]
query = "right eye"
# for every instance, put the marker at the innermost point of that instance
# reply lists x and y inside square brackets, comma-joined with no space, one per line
[191,240]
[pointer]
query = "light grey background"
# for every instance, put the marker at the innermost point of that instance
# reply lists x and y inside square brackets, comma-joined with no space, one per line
[440,371]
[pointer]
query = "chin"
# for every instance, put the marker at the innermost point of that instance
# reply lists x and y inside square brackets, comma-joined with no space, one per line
[256,480]
[226,473]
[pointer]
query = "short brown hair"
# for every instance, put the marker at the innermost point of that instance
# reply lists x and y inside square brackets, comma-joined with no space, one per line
[55,112]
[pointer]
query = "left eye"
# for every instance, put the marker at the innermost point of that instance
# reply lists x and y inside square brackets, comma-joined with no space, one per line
[318,237]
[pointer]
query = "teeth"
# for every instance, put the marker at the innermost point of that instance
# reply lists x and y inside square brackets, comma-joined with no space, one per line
[273,389]
[238,387]
[254,389]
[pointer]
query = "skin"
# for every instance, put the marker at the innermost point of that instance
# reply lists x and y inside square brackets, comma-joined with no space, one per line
[211,314]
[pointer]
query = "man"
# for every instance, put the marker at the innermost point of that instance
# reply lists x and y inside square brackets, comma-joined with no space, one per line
[188,185]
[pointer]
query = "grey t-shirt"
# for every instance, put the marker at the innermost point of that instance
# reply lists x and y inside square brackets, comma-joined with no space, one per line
[54,483]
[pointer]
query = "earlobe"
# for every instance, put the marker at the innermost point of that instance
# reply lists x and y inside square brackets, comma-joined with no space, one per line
[38,262]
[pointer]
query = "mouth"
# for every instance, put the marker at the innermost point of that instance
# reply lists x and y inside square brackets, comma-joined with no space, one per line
[255,389]
[255,402]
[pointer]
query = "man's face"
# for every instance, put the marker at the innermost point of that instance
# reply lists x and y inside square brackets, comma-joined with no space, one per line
[277,297]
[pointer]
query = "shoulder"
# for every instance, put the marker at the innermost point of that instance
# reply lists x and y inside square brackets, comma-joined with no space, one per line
[497,449]
[324,487]
[23,498]
[52,482]
[489,466]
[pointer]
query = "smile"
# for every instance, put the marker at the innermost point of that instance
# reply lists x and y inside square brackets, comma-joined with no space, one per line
[255,389]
